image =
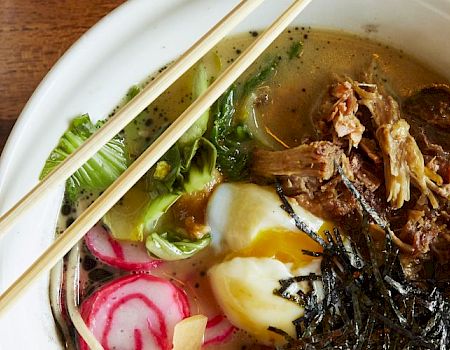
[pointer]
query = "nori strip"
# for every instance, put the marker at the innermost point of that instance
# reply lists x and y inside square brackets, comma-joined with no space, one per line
[302,226]
[368,303]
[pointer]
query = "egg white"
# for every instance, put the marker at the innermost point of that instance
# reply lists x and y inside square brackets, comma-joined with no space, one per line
[243,286]
[244,290]
[237,212]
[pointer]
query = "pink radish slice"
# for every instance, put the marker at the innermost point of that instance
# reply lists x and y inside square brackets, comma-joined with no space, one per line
[135,312]
[124,255]
[218,330]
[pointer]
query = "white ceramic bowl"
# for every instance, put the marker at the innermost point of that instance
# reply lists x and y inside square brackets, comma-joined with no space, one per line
[124,48]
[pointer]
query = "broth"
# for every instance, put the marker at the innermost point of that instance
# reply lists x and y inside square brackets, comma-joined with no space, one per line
[296,90]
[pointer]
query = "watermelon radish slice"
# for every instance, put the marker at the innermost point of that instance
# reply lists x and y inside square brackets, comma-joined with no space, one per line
[218,331]
[135,312]
[129,256]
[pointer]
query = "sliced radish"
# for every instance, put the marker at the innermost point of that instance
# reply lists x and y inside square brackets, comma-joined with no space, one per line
[218,331]
[135,312]
[124,255]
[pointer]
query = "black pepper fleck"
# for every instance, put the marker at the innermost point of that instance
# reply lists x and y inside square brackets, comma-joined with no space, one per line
[66,209]
[89,263]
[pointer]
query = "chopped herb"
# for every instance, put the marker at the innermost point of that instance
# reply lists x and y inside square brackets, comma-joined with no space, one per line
[296,50]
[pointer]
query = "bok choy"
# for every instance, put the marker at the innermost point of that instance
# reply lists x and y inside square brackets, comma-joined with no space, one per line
[233,126]
[187,167]
[99,171]
[172,247]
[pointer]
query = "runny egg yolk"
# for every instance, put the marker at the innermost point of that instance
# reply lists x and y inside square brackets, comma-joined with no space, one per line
[284,245]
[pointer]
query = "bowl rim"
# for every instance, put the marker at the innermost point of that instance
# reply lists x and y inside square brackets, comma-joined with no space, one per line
[100,29]
[39,93]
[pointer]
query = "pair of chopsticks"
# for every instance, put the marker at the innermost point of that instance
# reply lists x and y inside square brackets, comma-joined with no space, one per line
[156,150]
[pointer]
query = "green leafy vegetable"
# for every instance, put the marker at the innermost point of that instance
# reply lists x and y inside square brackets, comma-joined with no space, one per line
[170,247]
[125,219]
[167,172]
[99,171]
[200,84]
[187,167]
[202,166]
[295,50]
[232,157]
[230,134]
[156,208]
[134,141]
[259,78]
[248,116]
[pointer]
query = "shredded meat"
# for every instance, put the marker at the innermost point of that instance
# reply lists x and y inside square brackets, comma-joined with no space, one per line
[428,231]
[316,159]
[395,160]
[419,231]
[364,174]
[340,109]
[431,105]
[332,201]
[403,160]
[370,148]
[294,185]
[428,112]
[440,166]
[344,114]
[348,169]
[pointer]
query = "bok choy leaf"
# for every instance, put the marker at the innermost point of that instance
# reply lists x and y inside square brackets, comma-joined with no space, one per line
[230,133]
[99,171]
[231,155]
[187,167]
[199,86]
[170,247]
[202,166]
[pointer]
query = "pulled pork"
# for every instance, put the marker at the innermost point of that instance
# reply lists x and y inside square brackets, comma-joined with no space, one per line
[370,148]
[316,159]
[428,112]
[394,149]
[342,114]
[403,160]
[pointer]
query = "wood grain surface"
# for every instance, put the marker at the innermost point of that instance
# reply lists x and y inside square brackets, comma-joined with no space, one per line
[33,35]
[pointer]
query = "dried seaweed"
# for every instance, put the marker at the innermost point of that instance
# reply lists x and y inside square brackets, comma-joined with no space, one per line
[363,302]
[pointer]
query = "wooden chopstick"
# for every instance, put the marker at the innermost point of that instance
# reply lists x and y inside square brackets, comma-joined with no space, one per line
[126,114]
[155,151]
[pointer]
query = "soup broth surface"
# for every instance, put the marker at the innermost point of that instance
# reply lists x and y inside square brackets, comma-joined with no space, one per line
[295,91]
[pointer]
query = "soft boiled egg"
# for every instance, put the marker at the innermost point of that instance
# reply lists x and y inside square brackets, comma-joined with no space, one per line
[261,245]
[238,212]
[244,289]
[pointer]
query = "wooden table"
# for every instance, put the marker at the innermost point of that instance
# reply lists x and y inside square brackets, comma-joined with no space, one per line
[33,35]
